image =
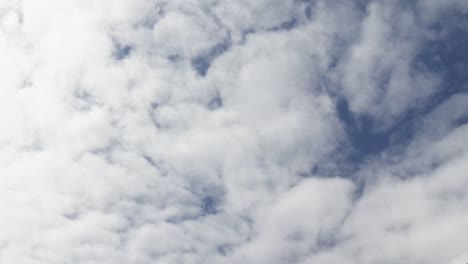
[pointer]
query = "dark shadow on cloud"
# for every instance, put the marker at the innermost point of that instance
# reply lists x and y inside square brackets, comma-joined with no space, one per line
[37,145]
[224,249]
[309,10]
[152,162]
[27,82]
[286,25]
[74,215]
[209,205]
[84,101]
[211,198]
[152,115]
[207,197]
[359,190]
[155,121]
[202,63]
[398,228]
[121,51]
[174,58]
[216,102]
[362,5]
[326,242]
[245,33]
[150,19]
[106,150]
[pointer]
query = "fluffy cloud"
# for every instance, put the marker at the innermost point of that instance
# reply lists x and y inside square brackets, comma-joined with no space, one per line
[211,132]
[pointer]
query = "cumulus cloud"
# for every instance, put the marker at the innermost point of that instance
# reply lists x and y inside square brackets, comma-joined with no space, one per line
[233,131]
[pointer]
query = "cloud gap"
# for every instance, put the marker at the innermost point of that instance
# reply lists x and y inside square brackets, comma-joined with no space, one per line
[438,56]
[203,62]
[216,102]
[209,205]
[121,51]
[287,25]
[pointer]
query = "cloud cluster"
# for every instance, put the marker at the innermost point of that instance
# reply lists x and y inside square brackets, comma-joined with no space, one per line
[207,131]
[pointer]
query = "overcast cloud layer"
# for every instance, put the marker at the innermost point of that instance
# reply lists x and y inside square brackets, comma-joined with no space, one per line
[209,131]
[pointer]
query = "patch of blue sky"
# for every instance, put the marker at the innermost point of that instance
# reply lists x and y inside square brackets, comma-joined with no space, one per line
[446,56]
[202,63]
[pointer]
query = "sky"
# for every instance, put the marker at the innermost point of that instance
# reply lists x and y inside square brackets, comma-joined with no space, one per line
[209,131]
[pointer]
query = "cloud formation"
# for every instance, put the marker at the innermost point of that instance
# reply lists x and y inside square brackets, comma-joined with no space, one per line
[233,131]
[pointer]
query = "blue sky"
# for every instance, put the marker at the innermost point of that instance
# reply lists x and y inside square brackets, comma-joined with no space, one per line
[264,131]
[442,55]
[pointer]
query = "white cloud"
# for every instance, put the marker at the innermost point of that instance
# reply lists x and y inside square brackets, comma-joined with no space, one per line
[116,148]
[378,77]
